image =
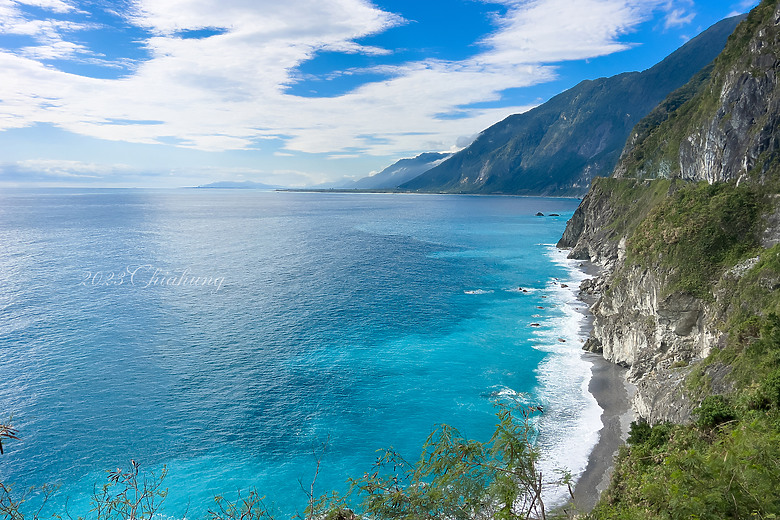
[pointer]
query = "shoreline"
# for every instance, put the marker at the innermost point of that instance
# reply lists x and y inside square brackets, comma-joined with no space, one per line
[613,394]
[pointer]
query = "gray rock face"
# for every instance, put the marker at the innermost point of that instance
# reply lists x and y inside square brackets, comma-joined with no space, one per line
[730,144]
[658,337]
[588,234]
[730,131]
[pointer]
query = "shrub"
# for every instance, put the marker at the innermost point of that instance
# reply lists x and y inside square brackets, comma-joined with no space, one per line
[770,388]
[713,411]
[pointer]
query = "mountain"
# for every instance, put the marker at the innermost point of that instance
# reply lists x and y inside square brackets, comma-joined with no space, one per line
[687,232]
[559,146]
[400,172]
[724,129]
[239,185]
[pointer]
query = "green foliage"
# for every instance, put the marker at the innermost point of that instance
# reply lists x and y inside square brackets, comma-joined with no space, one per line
[666,109]
[250,507]
[127,497]
[770,389]
[726,464]
[13,507]
[755,351]
[713,411]
[456,478]
[8,433]
[632,200]
[695,474]
[698,233]
[642,434]
[638,433]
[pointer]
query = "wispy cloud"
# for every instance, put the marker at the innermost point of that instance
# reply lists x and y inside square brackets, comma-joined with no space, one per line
[50,35]
[56,6]
[678,18]
[679,13]
[229,91]
[53,171]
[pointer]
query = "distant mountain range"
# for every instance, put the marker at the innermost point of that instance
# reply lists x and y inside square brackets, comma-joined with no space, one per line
[243,185]
[558,147]
[399,172]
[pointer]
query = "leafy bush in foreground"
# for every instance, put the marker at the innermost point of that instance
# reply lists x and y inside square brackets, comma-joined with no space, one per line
[455,478]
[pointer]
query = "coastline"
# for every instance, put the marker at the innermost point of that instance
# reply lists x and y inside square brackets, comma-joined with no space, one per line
[613,394]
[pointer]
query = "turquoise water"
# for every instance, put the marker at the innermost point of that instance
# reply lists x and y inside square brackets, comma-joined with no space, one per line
[228,334]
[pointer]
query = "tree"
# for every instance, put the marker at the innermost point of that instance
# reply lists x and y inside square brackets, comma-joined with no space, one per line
[456,478]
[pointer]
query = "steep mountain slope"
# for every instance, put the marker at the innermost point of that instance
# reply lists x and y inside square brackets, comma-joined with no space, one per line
[728,130]
[400,172]
[558,147]
[688,235]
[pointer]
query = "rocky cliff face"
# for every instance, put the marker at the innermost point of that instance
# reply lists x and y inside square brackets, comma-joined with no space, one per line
[725,129]
[729,131]
[659,336]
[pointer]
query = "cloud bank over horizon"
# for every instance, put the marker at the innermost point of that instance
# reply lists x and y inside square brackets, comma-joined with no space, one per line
[227,77]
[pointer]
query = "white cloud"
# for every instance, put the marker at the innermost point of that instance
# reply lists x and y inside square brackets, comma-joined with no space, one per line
[56,6]
[544,31]
[50,34]
[678,13]
[58,170]
[49,172]
[678,18]
[228,91]
[336,157]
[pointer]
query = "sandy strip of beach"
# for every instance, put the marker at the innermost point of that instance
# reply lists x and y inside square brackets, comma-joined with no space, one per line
[611,391]
[613,394]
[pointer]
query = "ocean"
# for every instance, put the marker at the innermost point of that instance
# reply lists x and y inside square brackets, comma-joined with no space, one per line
[230,335]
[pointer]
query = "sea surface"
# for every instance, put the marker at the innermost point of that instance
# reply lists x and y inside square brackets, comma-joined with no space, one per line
[229,335]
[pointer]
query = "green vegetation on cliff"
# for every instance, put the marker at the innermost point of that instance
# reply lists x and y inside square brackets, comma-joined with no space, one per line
[703,240]
[688,231]
[697,233]
[683,472]
[723,121]
[725,464]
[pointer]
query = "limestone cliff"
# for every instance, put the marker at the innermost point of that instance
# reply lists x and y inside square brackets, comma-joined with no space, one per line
[661,308]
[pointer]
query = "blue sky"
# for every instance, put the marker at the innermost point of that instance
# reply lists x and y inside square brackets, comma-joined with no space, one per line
[295,92]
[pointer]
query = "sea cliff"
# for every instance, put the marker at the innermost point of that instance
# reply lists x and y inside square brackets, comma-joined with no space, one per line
[725,133]
[686,232]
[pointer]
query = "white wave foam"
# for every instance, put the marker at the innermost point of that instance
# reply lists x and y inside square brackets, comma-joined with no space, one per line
[524,290]
[504,393]
[569,428]
[479,291]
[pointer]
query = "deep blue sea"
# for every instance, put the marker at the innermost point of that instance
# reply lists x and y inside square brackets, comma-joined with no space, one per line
[226,334]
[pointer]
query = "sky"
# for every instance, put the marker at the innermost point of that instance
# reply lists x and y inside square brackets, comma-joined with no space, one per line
[168,93]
